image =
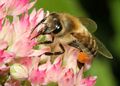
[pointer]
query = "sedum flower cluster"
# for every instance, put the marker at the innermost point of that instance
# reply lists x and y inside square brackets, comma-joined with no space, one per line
[22,58]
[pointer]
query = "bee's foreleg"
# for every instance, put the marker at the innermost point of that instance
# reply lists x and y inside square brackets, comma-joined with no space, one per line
[56,53]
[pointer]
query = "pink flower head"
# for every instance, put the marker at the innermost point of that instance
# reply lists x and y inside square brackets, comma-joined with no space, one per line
[63,76]
[19,39]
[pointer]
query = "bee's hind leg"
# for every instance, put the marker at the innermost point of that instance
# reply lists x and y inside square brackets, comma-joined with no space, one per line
[53,54]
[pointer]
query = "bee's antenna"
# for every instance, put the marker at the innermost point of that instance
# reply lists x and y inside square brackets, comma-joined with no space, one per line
[37,25]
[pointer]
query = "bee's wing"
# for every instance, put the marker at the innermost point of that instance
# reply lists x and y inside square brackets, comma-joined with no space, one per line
[102,49]
[89,24]
[92,27]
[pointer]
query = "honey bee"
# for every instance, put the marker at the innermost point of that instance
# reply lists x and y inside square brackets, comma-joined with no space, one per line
[76,32]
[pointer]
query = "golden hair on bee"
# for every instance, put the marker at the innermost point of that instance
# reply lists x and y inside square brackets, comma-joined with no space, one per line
[68,22]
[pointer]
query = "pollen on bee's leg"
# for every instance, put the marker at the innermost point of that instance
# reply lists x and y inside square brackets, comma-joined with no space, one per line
[83,57]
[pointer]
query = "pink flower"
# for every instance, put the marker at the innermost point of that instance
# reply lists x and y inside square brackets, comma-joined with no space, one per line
[61,75]
[19,39]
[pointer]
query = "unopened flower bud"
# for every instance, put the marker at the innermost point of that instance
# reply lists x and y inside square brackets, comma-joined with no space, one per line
[18,71]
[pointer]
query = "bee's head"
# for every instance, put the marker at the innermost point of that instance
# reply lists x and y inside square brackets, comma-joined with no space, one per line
[52,24]
[59,24]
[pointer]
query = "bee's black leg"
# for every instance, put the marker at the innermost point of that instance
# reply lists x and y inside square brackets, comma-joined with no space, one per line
[56,53]
[80,65]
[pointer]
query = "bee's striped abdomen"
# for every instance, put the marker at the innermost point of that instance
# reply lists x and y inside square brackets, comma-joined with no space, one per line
[85,42]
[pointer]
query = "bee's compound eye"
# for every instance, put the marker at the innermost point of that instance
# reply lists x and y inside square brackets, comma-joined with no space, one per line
[58,27]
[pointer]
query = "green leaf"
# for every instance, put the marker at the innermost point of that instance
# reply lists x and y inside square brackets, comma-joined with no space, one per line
[69,6]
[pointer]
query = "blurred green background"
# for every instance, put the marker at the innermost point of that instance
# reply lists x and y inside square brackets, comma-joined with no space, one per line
[106,13]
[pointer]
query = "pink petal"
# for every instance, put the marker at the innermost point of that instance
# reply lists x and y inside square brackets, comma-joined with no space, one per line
[2,13]
[40,15]
[15,7]
[23,47]
[67,79]
[54,70]
[26,61]
[12,82]
[24,21]
[46,65]
[80,81]
[5,29]
[9,36]
[70,58]
[4,70]
[33,17]
[21,26]
[36,16]
[1,21]
[37,76]
[3,45]
[6,57]
[79,76]
[40,52]
[89,81]
[23,8]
